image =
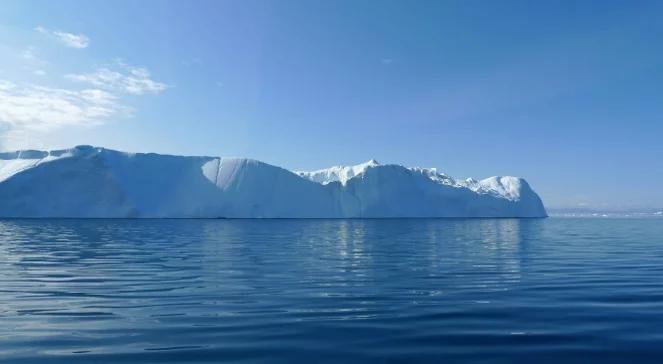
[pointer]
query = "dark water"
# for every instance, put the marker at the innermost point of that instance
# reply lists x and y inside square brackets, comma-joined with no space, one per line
[337,291]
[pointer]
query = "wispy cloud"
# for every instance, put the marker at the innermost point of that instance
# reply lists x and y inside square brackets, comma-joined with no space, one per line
[69,39]
[43,109]
[33,112]
[30,58]
[29,113]
[386,61]
[28,54]
[28,110]
[132,80]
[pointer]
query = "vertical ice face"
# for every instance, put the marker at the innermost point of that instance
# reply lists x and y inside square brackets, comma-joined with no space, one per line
[87,181]
[211,169]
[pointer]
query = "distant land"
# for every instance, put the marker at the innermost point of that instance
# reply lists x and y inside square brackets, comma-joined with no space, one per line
[605,212]
[88,181]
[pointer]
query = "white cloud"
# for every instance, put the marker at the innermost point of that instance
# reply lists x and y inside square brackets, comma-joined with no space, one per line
[132,80]
[31,115]
[30,58]
[43,109]
[30,112]
[99,97]
[6,85]
[386,61]
[69,39]
[28,54]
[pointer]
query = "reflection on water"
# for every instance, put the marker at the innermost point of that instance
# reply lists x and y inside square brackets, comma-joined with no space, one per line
[329,290]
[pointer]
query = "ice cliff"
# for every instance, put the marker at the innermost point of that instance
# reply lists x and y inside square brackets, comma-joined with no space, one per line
[88,181]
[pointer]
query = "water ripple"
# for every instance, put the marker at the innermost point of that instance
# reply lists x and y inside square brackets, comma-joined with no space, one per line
[414,290]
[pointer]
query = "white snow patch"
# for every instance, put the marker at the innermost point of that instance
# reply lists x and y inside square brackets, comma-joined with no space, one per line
[338,173]
[12,166]
[507,186]
[211,169]
[501,186]
[436,176]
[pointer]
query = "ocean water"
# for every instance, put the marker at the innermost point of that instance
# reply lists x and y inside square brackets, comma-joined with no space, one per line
[557,290]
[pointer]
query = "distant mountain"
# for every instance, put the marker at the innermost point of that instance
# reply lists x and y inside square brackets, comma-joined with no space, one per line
[88,181]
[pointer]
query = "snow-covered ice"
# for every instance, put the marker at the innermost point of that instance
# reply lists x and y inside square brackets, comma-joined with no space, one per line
[338,173]
[89,181]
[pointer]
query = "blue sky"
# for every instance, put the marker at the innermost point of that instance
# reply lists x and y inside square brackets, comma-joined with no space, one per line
[567,94]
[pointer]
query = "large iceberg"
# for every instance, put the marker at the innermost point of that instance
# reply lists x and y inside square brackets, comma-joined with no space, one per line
[88,181]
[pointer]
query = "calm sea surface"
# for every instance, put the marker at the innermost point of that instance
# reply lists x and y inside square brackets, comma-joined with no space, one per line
[551,290]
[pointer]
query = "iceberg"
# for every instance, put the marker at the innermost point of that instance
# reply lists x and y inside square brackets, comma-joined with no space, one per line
[90,182]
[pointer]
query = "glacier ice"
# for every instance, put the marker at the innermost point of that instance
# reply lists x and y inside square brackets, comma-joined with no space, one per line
[88,181]
[338,173]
